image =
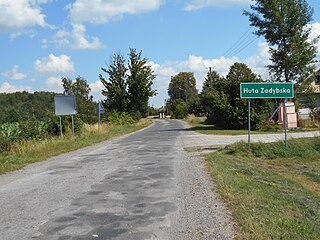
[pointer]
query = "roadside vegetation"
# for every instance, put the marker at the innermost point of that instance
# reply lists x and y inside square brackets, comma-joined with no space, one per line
[199,125]
[24,152]
[30,130]
[273,192]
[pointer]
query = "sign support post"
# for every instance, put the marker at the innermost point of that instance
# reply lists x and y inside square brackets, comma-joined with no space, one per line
[99,114]
[285,122]
[72,125]
[60,126]
[249,122]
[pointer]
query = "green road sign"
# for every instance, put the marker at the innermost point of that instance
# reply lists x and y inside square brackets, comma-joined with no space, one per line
[266,90]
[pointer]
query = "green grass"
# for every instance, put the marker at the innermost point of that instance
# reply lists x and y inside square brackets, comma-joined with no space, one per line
[24,153]
[198,125]
[273,192]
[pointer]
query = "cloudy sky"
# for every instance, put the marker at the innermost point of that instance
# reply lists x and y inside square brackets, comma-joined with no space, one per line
[44,40]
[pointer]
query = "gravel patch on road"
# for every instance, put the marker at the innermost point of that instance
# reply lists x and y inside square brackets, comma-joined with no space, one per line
[201,213]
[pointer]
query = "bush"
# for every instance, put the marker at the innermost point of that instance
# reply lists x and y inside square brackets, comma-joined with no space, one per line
[33,130]
[135,115]
[180,111]
[10,131]
[5,144]
[119,118]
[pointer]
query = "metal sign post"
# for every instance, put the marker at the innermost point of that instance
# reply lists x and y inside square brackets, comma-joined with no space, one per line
[99,110]
[99,114]
[249,122]
[72,125]
[285,122]
[60,126]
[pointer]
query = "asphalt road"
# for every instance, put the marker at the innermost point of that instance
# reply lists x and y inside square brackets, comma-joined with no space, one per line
[140,186]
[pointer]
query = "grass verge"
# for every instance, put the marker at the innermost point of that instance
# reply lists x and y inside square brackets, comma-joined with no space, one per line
[24,153]
[273,192]
[198,125]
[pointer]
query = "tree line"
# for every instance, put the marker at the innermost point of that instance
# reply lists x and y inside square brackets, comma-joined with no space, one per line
[284,25]
[219,99]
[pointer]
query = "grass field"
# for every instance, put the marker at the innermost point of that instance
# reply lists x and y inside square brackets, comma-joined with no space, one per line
[24,153]
[273,192]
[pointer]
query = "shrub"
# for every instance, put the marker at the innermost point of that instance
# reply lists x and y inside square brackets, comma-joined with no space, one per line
[5,144]
[33,130]
[181,110]
[191,118]
[119,118]
[274,127]
[134,115]
[10,131]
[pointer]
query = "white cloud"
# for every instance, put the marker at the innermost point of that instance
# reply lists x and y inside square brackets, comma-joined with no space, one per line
[8,88]
[96,89]
[198,4]
[54,84]
[96,12]
[259,61]
[200,67]
[14,74]
[102,11]
[315,32]
[76,39]
[18,14]
[54,64]
[28,32]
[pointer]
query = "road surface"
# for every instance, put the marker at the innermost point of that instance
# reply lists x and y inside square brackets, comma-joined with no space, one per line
[140,186]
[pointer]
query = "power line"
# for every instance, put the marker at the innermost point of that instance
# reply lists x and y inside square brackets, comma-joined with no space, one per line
[243,46]
[243,36]
[243,42]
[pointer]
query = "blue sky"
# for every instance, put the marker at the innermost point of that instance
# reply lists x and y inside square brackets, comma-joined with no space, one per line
[44,40]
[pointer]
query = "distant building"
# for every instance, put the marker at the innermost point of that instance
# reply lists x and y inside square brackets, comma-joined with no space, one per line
[316,83]
[304,113]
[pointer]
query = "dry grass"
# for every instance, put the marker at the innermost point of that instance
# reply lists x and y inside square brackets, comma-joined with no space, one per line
[27,152]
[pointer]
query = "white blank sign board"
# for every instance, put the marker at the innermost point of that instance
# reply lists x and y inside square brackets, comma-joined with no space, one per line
[65,105]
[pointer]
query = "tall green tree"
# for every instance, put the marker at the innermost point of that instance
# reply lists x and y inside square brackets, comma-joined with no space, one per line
[183,86]
[140,80]
[283,23]
[116,86]
[79,87]
[183,94]
[212,86]
[84,102]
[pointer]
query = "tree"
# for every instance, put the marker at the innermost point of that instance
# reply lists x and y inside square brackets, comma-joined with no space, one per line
[226,108]
[85,105]
[116,86]
[22,106]
[140,80]
[283,23]
[213,83]
[79,87]
[183,86]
